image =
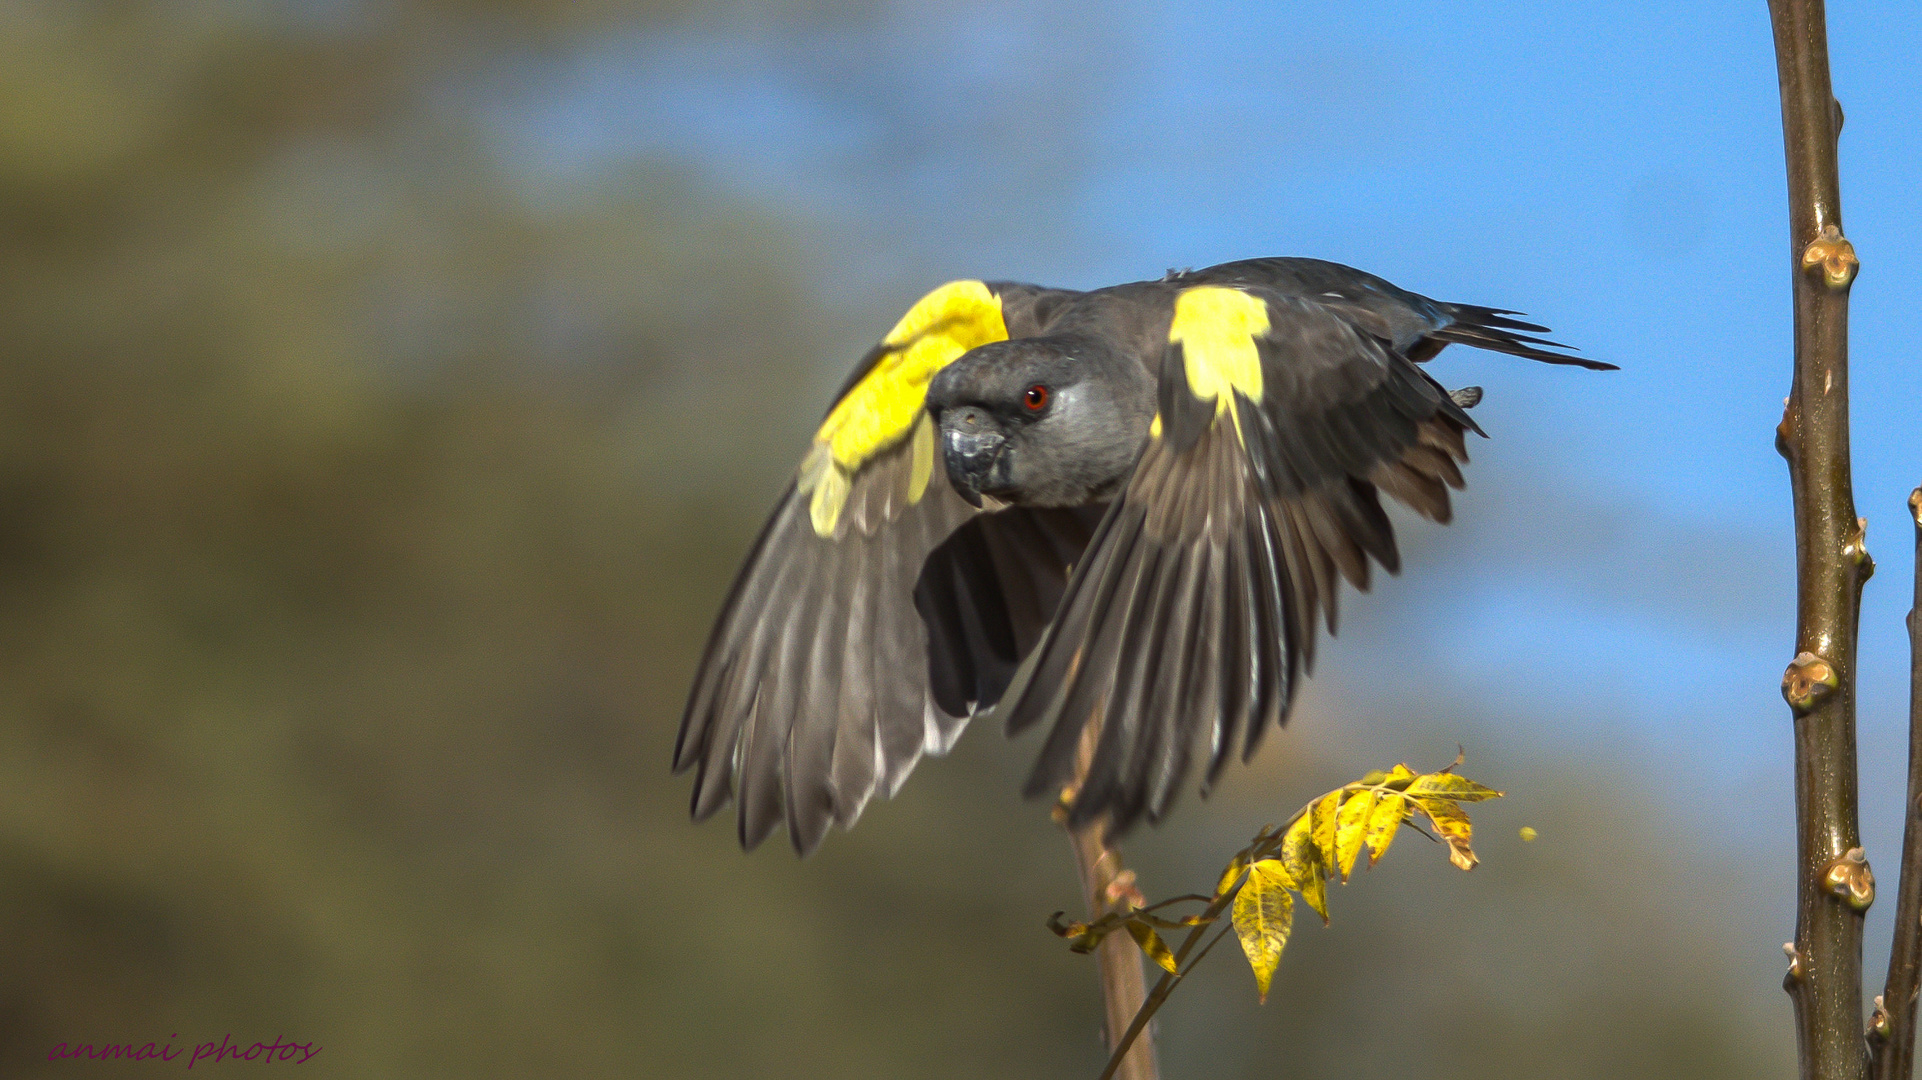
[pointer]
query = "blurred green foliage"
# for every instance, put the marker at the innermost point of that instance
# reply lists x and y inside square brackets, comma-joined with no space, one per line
[363,503]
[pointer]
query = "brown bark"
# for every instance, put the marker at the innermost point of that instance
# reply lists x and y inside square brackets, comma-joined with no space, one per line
[1892,1032]
[1123,988]
[1825,974]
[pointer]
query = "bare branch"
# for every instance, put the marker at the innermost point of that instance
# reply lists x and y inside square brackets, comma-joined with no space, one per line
[1892,1033]
[1123,989]
[1825,981]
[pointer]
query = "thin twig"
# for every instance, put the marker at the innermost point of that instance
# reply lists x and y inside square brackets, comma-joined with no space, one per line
[1166,984]
[1266,845]
[1893,1032]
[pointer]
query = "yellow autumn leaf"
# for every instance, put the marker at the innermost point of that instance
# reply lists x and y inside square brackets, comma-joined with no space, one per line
[1398,778]
[1152,944]
[1323,814]
[1351,825]
[1228,876]
[1383,823]
[1449,786]
[1451,824]
[1303,863]
[1264,913]
[1298,846]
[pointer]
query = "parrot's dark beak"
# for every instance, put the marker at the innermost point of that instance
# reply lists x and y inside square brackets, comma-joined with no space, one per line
[971,445]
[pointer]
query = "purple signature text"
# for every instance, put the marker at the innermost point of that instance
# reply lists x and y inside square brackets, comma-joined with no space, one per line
[204,1054]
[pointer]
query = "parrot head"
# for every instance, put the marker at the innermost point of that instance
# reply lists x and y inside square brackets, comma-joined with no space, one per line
[1049,421]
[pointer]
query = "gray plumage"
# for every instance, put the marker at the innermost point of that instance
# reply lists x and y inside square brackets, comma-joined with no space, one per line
[1202,558]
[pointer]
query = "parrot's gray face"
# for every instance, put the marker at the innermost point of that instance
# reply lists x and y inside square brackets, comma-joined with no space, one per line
[1052,421]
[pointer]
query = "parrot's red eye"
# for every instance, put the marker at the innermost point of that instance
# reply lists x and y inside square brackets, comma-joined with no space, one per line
[1036,398]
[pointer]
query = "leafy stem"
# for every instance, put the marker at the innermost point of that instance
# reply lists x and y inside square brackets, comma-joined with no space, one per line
[1321,841]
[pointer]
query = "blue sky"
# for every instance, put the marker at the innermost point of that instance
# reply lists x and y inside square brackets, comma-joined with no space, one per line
[1614,169]
[1623,559]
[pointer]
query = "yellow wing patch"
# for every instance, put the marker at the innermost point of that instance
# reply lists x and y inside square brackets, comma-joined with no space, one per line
[881,410]
[1216,328]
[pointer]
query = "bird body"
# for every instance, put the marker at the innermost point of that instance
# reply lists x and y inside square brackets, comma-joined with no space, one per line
[1148,492]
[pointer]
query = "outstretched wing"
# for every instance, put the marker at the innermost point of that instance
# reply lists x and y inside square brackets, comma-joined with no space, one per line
[1186,625]
[988,593]
[1411,323]
[812,695]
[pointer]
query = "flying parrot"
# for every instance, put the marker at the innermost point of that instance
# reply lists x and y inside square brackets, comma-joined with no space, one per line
[1127,507]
